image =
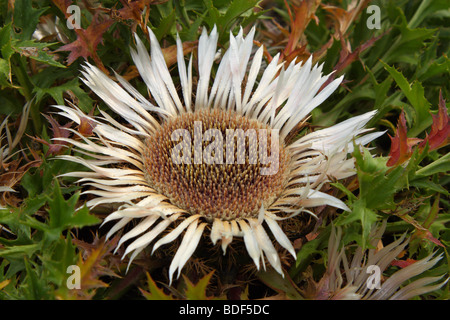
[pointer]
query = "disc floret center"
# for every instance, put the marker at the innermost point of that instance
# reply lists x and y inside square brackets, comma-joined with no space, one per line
[216,163]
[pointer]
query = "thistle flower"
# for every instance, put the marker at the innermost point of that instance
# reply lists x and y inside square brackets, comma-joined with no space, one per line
[191,187]
[357,281]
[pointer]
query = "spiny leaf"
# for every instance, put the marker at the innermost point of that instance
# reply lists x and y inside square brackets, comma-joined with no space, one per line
[401,145]
[440,129]
[344,18]
[303,14]
[29,48]
[55,147]
[63,215]
[225,17]
[197,291]
[365,216]
[415,94]
[93,266]
[87,41]
[57,258]
[377,186]
[26,18]
[36,285]
[154,292]
[406,47]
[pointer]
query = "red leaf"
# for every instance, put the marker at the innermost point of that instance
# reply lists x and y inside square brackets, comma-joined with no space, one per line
[87,126]
[426,234]
[304,13]
[440,129]
[401,145]
[403,263]
[58,132]
[132,10]
[347,57]
[343,18]
[87,41]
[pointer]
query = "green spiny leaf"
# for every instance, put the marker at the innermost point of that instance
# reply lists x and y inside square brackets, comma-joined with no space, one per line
[197,291]
[26,18]
[415,94]
[154,292]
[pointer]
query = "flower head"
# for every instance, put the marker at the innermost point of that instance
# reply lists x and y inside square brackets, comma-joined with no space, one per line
[213,155]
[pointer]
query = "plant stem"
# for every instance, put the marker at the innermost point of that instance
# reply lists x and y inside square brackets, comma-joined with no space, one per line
[20,71]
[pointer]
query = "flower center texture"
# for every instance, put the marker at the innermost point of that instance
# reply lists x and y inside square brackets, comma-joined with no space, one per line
[217,163]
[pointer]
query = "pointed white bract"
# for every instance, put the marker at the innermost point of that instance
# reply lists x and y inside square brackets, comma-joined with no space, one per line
[281,96]
[360,281]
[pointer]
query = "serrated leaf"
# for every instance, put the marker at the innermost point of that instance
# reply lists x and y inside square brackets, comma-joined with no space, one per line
[64,214]
[440,129]
[415,93]
[38,51]
[376,186]
[26,18]
[56,260]
[19,251]
[34,50]
[36,286]
[154,292]
[87,41]
[365,216]
[93,267]
[408,45]
[56,92]
[401,145]
[197,291]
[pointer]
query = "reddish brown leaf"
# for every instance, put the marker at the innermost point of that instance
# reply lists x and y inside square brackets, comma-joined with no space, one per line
[11,174]
[403,263]
[58,132]
[427,235]
[303,14]
[347,57]
[440,129]
[344,18]
[421,231]
[401,145]
[87,126]
[132,10]
[94,263]
[87,41]
[62,5]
